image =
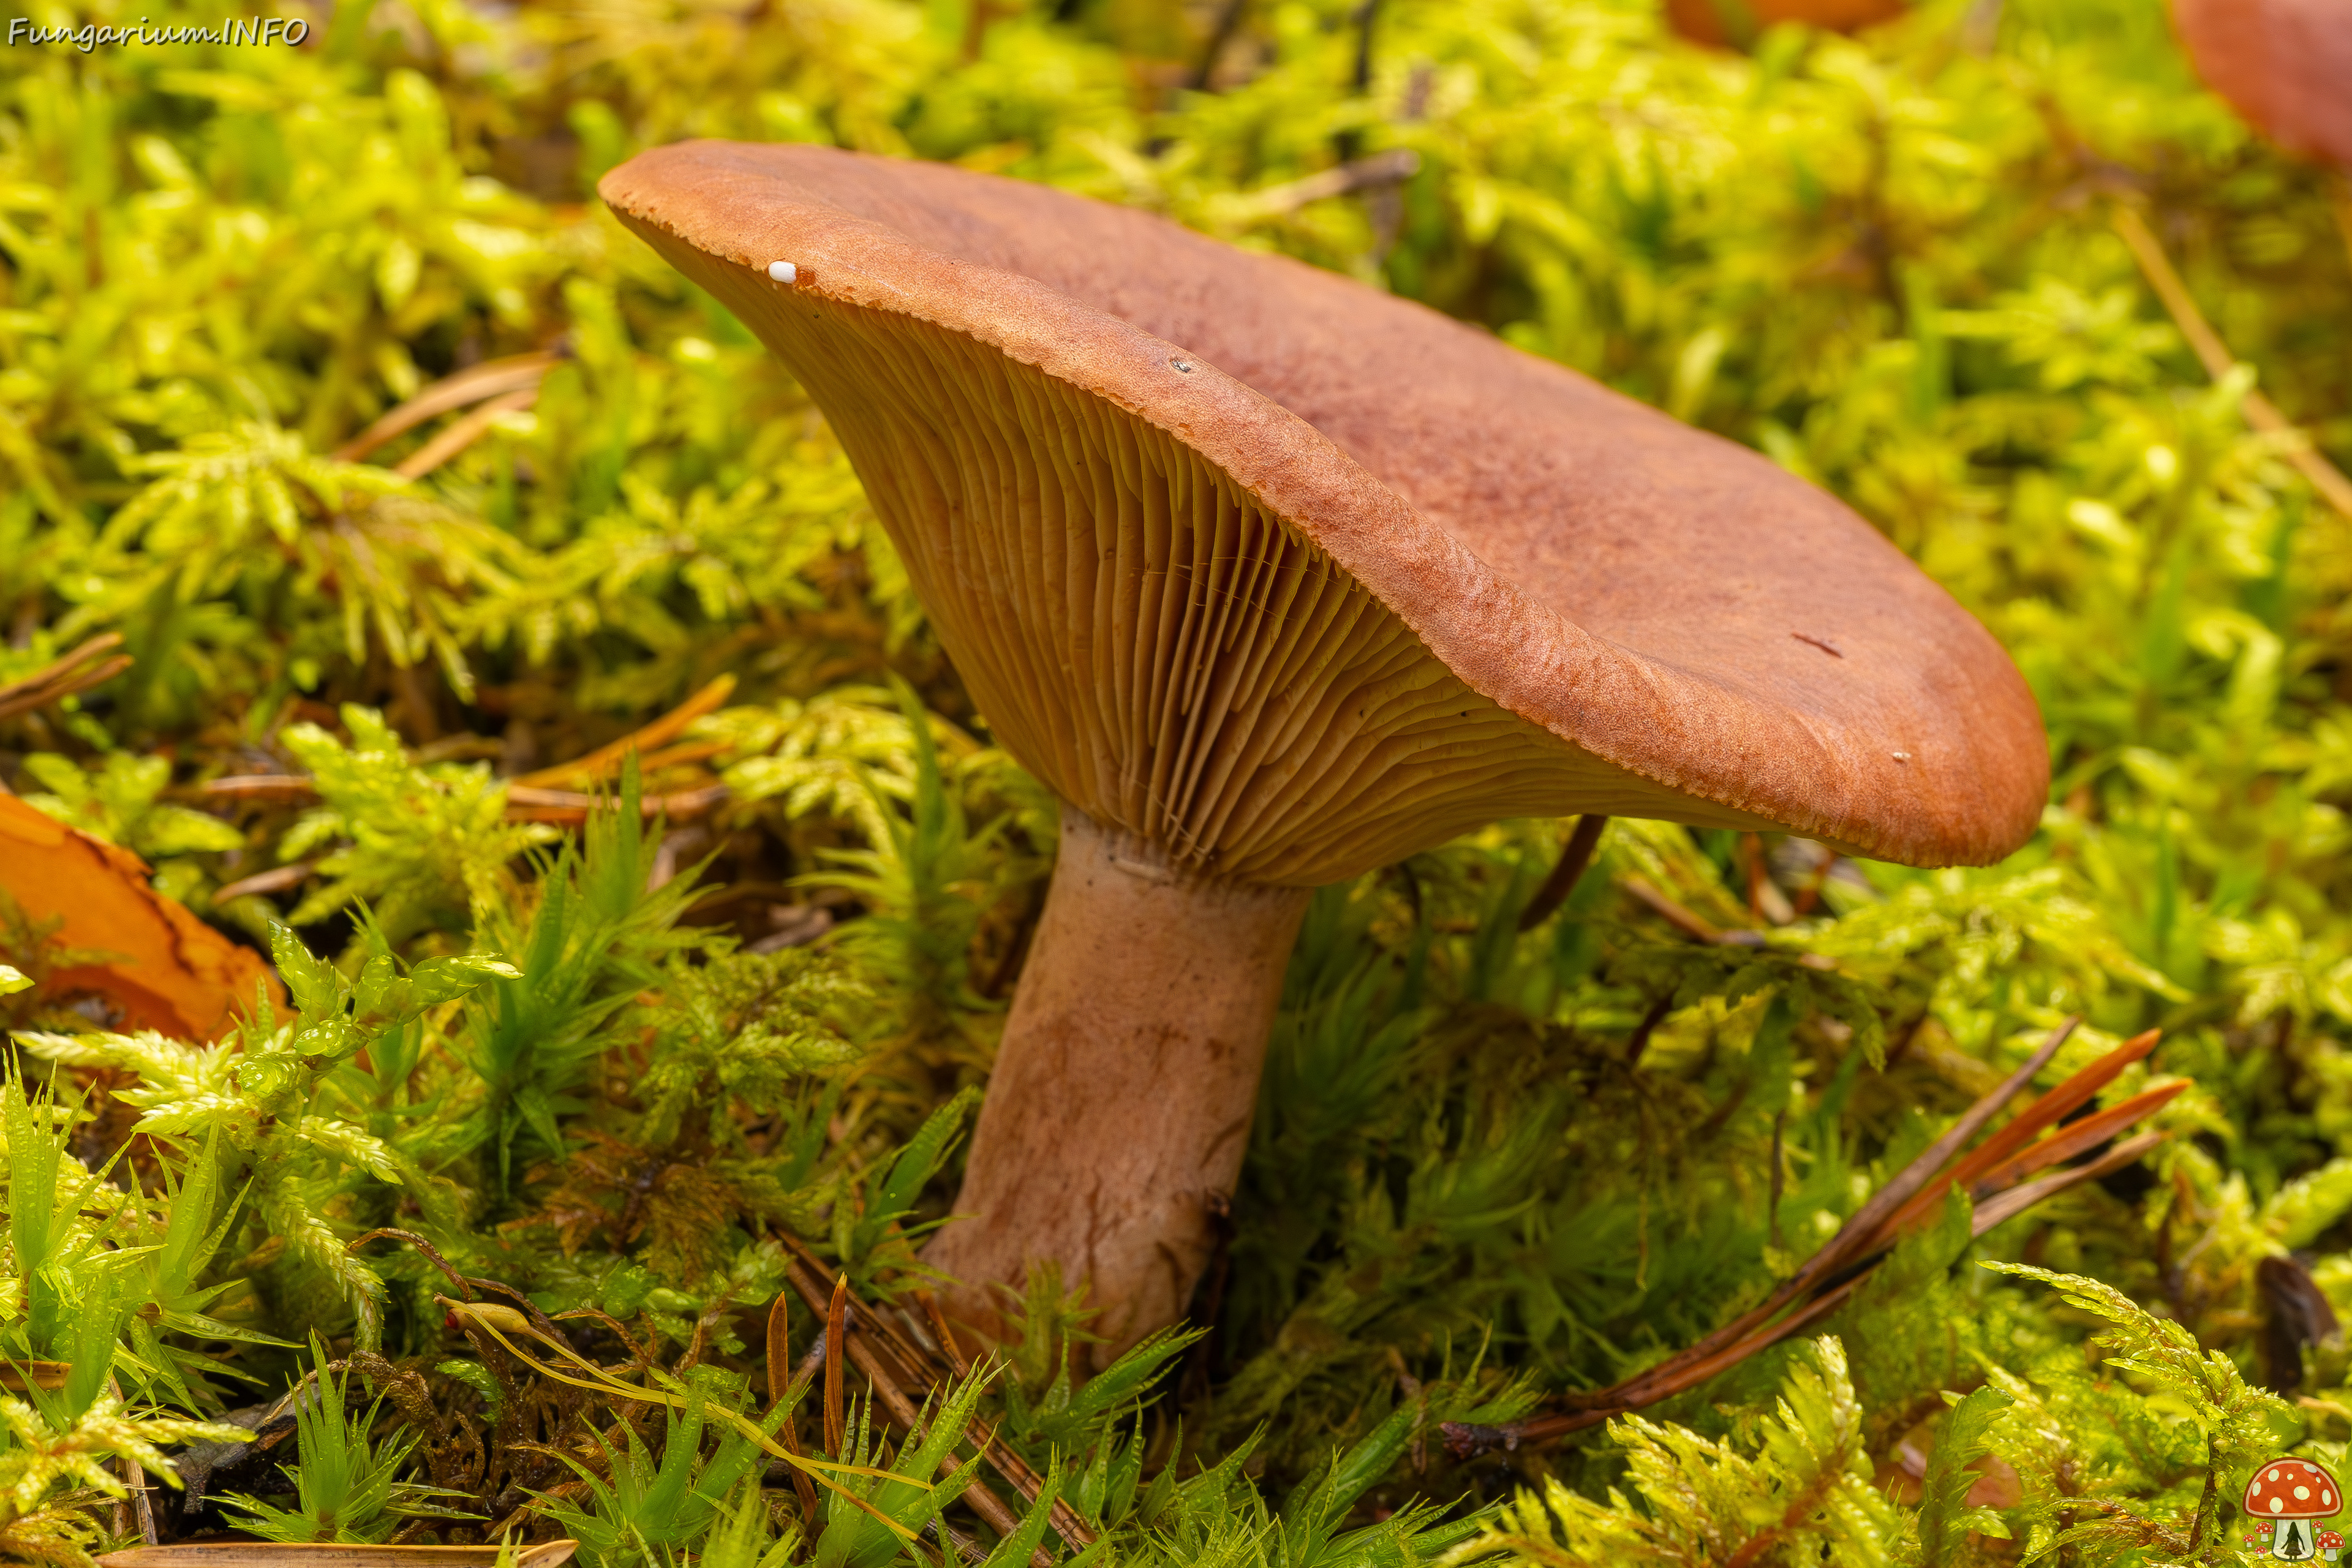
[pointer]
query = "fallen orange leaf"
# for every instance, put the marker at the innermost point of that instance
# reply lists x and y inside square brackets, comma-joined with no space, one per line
[177,976]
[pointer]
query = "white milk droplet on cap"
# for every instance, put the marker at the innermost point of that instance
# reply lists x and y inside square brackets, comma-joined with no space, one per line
[2303,1492]
[783,271]
[2278,1505]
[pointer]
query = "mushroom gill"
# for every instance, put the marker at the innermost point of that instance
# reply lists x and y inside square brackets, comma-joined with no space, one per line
[1153,641]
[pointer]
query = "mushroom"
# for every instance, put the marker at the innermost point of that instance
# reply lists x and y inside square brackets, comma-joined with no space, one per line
[2287,1494]
[2284,65]
[1276,579]
[2330,1544]
[1735,23]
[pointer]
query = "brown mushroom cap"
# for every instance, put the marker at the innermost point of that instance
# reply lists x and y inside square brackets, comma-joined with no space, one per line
[1726,22]
[1294,578]
[2292,1489]
[2284,65]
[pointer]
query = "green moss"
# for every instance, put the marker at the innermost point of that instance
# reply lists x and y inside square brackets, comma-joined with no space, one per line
[1489,1166]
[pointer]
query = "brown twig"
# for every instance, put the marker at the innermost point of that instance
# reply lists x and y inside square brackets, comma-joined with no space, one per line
[1575,856]
[80,670]
[2214,354]
[984,1502]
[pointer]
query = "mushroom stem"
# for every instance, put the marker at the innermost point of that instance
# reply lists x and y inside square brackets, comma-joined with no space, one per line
[1119,1107]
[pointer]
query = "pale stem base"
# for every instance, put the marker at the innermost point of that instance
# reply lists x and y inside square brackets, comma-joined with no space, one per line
[1120,1108]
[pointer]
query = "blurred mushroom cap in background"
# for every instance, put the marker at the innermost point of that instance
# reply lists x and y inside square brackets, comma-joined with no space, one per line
[2286,65]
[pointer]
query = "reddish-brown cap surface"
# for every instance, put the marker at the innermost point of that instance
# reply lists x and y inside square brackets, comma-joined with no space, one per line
[1722,22]
[2284,65]
[1295,577]
[2292,1489]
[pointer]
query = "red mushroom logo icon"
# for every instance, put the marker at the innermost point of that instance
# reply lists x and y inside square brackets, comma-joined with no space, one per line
[2289,1496]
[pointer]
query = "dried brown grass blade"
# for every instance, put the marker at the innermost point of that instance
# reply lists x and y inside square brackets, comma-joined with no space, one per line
[1386,168]
[837,1330]
[561,805]
[524,802]
[2076,1136]
[1064,1518]
[279,879]
[491,378]
[1756,1331]
[1857,1238]
[1675,914]
[780,1383]
[463,433]
[780,1348]
[940,1326]
[2008,1206]
[606,760]
[901,1409]
[286,789]
[2214,354]
[78,670]
[2028,1122]
[912,1359]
